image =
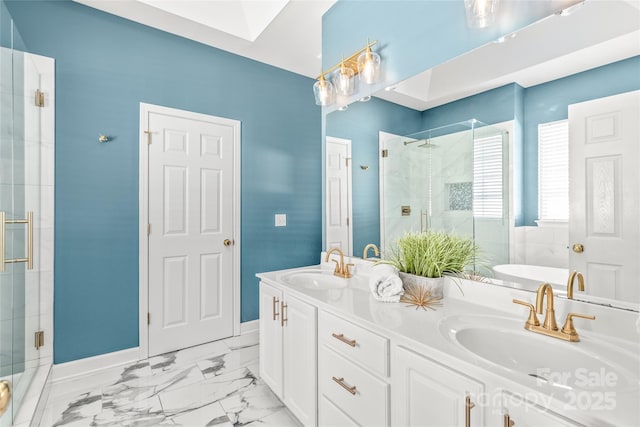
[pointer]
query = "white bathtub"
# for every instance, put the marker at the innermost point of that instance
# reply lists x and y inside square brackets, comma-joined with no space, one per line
[531,276]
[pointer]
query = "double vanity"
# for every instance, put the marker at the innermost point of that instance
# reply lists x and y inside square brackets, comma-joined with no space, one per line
[337,357]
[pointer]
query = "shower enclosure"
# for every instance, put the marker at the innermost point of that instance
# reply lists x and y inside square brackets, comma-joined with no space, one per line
[452,178]
[26,229]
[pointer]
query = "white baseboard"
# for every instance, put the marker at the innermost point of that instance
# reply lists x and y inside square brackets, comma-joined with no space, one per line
[249,327]
[68,370]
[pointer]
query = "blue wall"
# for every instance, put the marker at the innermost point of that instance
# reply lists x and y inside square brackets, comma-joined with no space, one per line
[549,102]
[106,66]
[361,123]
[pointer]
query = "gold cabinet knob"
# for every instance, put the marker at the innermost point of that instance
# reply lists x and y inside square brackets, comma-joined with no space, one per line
[5,395]
[228,242]
[578,248]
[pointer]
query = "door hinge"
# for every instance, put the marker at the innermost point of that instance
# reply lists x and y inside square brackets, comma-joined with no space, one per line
[148,132]
[348,221]
[346,161]
[148,229]
[385,153]
[39,339]
[148,318]
[39,98]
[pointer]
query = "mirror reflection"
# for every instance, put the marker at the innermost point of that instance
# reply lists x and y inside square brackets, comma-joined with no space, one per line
[522,89]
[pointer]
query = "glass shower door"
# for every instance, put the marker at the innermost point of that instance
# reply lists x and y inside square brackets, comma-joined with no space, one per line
[20,190]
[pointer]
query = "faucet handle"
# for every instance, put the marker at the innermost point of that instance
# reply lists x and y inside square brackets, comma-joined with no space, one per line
[337,269]
[347,272]
[568,324]
[533,319]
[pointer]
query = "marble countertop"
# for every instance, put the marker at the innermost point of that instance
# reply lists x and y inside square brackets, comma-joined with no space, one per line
[427,331]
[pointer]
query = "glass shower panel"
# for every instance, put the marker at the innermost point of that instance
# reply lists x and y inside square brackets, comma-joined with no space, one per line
[452,178]
[6,243]
[19,228]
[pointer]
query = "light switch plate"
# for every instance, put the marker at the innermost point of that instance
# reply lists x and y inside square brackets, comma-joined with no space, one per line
[281,220]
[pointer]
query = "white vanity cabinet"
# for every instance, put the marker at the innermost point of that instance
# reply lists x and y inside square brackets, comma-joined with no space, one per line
[353,369]
[426,393]
[518,412]
[288,350]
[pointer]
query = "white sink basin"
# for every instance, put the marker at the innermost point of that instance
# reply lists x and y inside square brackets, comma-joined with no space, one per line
[321,279]
[586,365]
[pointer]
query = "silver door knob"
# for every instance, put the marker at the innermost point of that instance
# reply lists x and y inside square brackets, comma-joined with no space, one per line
[578,248]
[228,242]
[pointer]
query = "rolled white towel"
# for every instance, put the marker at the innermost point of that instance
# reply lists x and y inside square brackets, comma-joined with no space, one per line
[390,286]
[385,284]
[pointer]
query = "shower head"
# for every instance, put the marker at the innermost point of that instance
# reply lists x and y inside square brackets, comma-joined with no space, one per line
[427,144]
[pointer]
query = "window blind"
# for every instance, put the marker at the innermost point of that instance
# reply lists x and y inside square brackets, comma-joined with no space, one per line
[488,177]
[553,171]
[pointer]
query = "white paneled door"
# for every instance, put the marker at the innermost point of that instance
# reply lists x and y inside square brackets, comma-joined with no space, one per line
[191,228]
[338,194]
[604,209]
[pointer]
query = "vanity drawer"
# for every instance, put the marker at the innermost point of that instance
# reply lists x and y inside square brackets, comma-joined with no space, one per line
[354,342]
[356,392]
[330,415]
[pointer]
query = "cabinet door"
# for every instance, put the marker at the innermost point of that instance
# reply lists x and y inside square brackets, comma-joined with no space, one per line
[426,393]
[523,413]
[300,350]
[271,337]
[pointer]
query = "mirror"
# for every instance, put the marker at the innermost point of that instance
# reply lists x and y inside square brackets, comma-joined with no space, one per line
[520,81]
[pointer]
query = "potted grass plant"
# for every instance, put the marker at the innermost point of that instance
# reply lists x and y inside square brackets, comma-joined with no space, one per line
[423,258]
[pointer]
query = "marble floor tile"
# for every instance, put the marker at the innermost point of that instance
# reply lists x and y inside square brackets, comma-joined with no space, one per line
[228,362]
[169,361]
[195,396]
[241,341]
[208,415]
[215,384]
[251,405]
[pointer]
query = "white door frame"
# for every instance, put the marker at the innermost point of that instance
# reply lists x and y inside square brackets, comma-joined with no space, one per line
[143,257]
[346,142]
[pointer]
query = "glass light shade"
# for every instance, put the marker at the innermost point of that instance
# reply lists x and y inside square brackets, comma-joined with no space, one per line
[480,13]
[324,92]
[344,82]
[369,66]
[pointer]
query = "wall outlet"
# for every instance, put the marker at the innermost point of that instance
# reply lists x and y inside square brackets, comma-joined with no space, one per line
[281,220]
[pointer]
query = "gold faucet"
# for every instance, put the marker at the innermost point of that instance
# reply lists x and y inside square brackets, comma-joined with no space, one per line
[341,270]
[550,327]
[572,278]
[376,251]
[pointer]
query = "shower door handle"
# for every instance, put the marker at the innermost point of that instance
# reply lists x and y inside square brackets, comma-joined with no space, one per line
[3,246]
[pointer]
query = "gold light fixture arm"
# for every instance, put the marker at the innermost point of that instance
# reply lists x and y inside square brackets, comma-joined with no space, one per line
[350,62]
[3,246]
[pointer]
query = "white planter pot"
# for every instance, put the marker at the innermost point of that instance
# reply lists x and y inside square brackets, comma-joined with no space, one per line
[433,284]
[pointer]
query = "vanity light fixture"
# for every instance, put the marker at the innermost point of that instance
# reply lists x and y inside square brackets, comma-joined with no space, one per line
[323,91]
[480,13]
[369,65]
[343,80]
[364,62]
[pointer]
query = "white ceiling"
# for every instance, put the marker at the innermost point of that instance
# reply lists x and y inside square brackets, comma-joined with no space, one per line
[287,34]
[284,33]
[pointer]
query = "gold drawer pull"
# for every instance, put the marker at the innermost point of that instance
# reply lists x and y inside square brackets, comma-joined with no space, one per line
[469,405]
[283,313]
[508,422]
[341,337]
[340,381]
[275,308]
